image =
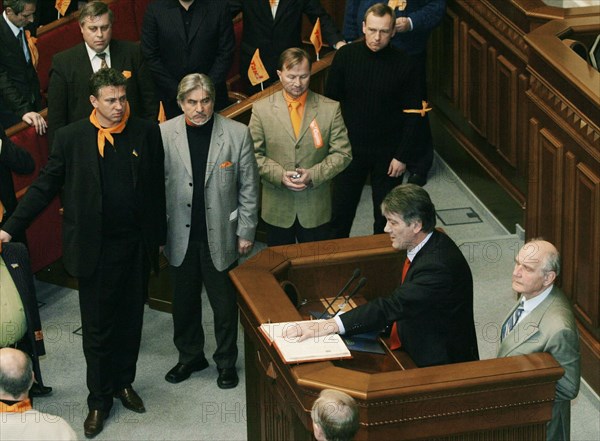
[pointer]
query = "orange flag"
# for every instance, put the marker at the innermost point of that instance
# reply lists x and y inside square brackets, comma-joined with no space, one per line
[62,5]
[400,4]
[316,38]
[257,72]
[162,117]
[31,41]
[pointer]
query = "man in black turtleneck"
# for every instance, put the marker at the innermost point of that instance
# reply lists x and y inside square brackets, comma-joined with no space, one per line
[374,83]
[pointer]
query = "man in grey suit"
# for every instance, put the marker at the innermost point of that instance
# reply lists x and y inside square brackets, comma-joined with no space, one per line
[543,321]
[211,181]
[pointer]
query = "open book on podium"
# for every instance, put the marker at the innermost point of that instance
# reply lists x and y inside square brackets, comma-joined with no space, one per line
[327,347]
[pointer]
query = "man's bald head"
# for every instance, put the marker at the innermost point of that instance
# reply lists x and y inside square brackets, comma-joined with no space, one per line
[536,267]
[16,374]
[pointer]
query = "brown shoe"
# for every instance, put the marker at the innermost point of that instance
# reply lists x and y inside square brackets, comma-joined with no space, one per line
[130,399]
[94,423]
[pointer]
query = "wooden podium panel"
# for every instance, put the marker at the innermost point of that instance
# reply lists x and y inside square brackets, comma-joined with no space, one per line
[509,398]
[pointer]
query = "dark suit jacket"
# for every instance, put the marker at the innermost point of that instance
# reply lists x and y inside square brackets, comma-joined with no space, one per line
[68,90]
[12,159]
[433,307]
[274,35]
[74,163]
[170,55]
[16,260]
[19,84]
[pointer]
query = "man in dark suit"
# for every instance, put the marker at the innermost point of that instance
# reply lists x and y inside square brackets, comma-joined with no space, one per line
[180,37]
[432,309]
[543,321]
[20,97]
[112,169]
[71,70]
[275,26]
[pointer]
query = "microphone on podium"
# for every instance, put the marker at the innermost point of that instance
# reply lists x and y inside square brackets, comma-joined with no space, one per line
[362,282]
[354,276]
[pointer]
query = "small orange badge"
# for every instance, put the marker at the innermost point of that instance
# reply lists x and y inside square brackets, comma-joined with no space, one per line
[226,164]
[316,134]
[126,74]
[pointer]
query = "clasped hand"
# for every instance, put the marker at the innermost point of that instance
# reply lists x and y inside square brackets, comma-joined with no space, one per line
[297,180]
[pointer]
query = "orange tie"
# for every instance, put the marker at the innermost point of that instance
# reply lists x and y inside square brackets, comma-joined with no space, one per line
[296,117]
[394,338]
[1,211]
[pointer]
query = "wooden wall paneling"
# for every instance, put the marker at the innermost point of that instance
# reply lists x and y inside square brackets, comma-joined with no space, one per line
[507,109]
[531,215]
[587,251]
[463,83]
[448,64]
[550,187]
[494,98]
[567,252]
[590,355]
[475,81]
[523,125]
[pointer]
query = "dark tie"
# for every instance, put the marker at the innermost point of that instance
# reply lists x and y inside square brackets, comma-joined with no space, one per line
[394,337]
[512,320]
[102,56]
[23,45]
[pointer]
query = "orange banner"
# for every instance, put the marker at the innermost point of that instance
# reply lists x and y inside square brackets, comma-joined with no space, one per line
[62,5]
[31,41]
[316,38]
[257,72]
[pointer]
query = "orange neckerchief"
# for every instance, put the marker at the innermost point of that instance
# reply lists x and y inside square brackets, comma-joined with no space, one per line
[106,133]
[20,407]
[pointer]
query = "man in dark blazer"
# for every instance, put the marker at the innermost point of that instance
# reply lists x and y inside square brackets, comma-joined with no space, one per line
[543,321]
[111,169]
[180,37]
[20,97]
[433,306]
[16,261]
[70,73]
[274,28]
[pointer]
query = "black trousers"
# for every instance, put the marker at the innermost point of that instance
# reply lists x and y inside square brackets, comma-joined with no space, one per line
[197,269]
[112,307]
[348,186]
[286,236]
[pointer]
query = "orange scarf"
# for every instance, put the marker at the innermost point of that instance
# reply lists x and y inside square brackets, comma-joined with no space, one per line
[20,407]
[106,133]
[31,41]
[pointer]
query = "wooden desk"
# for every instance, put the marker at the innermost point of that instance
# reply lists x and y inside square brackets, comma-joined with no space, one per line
[509,398]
